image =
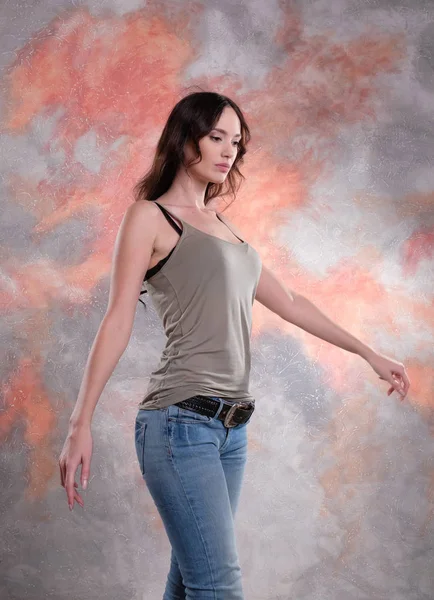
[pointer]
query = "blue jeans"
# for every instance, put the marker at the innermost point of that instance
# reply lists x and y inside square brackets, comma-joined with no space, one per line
[193,467]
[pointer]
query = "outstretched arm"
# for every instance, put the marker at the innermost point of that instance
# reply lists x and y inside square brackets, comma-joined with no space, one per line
[299,310]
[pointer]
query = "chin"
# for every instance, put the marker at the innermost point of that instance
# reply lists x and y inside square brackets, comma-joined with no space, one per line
[217,179]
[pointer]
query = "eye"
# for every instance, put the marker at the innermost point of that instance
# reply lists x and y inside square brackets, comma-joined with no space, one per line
[213,137]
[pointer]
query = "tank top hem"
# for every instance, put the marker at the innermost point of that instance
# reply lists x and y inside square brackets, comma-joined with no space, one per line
[161,400]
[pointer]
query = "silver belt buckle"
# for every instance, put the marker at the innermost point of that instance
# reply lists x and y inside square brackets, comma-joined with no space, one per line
[231,411]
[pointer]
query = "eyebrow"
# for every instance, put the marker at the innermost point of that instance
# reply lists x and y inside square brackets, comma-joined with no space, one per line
[225,132]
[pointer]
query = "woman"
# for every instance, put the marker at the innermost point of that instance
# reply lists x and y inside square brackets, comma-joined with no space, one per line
[190,431]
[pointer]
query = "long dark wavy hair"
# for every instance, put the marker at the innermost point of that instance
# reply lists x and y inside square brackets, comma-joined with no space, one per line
[191,119]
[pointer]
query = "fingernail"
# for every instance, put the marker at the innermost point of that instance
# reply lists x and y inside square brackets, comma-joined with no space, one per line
[70,506]
[84,484]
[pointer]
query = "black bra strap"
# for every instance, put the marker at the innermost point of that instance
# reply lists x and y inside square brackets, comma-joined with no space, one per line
[169,218]
[157,267]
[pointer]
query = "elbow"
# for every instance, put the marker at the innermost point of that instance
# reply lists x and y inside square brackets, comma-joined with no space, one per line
[120,325]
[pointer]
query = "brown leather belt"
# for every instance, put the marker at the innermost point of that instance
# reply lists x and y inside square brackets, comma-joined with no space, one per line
[232,414]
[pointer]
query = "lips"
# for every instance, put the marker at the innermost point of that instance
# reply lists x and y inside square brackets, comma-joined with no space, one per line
[223,165]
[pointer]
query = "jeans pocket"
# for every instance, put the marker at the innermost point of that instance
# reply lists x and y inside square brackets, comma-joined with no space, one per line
[185,415]
[140,434]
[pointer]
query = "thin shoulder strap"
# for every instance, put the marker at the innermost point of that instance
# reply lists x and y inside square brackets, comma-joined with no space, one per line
[224,223]
[158,266]
[169,218]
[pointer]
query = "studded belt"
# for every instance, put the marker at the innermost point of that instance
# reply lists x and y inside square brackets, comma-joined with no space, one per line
[232,414]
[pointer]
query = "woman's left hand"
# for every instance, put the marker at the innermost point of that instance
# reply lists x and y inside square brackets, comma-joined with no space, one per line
[392,371]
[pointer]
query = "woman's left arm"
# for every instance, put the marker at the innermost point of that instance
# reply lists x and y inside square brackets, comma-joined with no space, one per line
[297,309]
[300,311]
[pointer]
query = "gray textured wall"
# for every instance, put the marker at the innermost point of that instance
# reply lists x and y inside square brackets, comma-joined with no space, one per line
[338,501]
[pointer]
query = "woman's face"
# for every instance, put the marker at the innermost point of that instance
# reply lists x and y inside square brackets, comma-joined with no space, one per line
[217,147]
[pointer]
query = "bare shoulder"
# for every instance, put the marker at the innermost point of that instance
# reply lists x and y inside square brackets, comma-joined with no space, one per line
[143,209]
[141,221]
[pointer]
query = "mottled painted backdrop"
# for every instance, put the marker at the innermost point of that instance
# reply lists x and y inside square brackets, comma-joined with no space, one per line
[338,501]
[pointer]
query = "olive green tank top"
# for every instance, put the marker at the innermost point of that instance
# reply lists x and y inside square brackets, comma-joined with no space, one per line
[203,292]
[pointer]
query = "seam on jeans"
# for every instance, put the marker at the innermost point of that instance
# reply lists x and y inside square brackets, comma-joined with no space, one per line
[197,524]
[143,448]
[166,432]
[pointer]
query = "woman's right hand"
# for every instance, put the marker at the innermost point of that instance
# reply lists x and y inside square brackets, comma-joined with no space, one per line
[76,450]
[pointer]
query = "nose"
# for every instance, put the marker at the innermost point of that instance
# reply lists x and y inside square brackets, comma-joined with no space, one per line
[230,152]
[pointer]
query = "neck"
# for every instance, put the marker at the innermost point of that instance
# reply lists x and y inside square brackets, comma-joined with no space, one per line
[187,192]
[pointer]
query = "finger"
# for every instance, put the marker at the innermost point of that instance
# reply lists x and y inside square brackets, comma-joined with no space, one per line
[61,475]
[397,388]
[403,376]
[69,485]
[403,383]
[77,499]
[406,381]
[397,376]
[85,472]
[77,496]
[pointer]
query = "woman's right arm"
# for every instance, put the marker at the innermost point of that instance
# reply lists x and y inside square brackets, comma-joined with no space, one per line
[132,253]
